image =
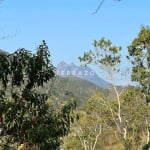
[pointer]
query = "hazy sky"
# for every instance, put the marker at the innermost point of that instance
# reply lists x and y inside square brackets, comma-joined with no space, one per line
[68,26]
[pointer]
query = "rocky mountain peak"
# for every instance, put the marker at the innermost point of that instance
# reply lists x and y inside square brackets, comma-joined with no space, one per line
[86,73]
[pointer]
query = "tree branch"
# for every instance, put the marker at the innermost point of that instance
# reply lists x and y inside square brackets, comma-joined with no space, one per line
[99,6]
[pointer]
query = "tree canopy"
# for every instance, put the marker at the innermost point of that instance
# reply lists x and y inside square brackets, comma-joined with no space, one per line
[25,115]
[139,55]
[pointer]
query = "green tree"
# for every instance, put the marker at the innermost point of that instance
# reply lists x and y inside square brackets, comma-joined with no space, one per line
[134,113]
[89,127]
[107,57]
[86,131]
[139,55]
[25,116]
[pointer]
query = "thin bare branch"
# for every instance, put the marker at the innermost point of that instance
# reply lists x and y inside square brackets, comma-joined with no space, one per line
[8,36]
[97,136]
[99,6]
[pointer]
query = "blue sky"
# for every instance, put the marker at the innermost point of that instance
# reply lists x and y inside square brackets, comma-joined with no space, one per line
[68,26]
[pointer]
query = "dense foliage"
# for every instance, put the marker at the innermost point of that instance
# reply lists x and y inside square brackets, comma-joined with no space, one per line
[139,55]
[25,116]
[96,127]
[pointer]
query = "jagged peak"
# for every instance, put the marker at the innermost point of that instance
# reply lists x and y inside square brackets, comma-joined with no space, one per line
[65,69]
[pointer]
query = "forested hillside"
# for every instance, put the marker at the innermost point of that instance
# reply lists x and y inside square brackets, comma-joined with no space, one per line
[64,89]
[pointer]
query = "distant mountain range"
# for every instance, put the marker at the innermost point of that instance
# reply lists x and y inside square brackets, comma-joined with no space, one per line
[86,73]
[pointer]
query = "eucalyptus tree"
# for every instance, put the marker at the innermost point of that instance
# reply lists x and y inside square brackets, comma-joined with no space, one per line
[107,57]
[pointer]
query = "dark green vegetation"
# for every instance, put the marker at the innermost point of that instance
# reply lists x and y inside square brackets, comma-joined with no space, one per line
[139,55]
[26,117]
[37,108]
